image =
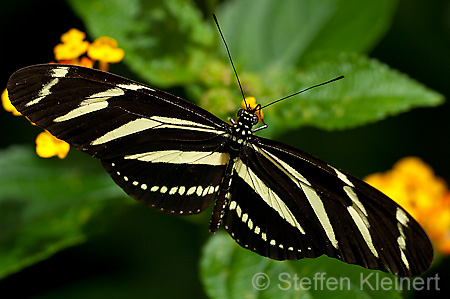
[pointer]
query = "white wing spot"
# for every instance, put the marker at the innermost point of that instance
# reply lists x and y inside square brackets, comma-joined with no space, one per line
[244,217]
[211,190]
[250,224]
[199,190]
[163,189]
[154,188]
[173,190]
[238,211]
[191,190]
[59,72]
[264,236]
[144,186]
[402,217]
[205,191]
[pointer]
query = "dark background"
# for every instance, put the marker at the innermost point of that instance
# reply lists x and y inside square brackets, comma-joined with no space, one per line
[147,254]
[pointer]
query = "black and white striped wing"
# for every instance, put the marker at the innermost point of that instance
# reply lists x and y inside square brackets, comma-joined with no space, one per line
[286,204]
[162,150]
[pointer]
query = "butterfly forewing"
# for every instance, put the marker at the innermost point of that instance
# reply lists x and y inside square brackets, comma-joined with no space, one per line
[176,168]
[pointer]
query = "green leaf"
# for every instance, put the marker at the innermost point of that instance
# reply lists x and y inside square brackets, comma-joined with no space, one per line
[229,271]
[370,91]
[166,42]
[48,204]
[264,33]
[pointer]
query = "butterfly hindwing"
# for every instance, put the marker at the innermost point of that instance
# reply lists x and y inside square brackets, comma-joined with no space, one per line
[171,180]
[314,209]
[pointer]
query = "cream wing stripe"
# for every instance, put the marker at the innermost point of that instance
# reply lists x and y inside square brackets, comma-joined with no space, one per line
[270,197]
[182,157]
[129,128]
[154,122]
[312,196]
[92,103]
[363,229]
[56,73]
[45,91]
[82,110]
[133,86]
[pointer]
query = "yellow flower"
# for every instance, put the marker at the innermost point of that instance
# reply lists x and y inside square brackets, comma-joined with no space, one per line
[251,103]
[73,36]
[73,46]
[48,146]
[105,50]
[7,104]
[414,186]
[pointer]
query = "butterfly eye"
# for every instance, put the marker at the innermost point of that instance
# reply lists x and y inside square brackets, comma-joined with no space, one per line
[255,119]
[240,112]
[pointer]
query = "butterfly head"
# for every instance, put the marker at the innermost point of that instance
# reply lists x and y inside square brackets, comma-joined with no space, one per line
[248,116]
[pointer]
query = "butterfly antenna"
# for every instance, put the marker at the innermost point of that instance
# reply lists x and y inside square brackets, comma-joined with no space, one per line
[231,60]
[294,94]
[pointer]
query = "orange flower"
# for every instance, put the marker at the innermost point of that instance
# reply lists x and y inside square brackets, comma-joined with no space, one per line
[7,104]
[73,46]
[251,103]
[105,50]
[414,186]
[48,146]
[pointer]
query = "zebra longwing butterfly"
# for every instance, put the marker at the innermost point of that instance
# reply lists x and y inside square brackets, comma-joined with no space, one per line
[175,157]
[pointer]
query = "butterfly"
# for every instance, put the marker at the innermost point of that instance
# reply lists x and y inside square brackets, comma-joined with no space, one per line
[178,158]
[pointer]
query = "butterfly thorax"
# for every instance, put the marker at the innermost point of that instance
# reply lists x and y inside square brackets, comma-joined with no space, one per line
[242,129]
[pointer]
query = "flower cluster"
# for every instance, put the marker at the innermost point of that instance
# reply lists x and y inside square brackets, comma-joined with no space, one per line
[104,50]
[414,186]
[73,46]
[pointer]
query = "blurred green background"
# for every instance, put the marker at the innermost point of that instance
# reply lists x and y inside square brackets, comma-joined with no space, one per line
[140,253]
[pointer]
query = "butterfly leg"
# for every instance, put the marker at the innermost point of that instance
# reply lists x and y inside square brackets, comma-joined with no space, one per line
[260,128]
[222,199]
